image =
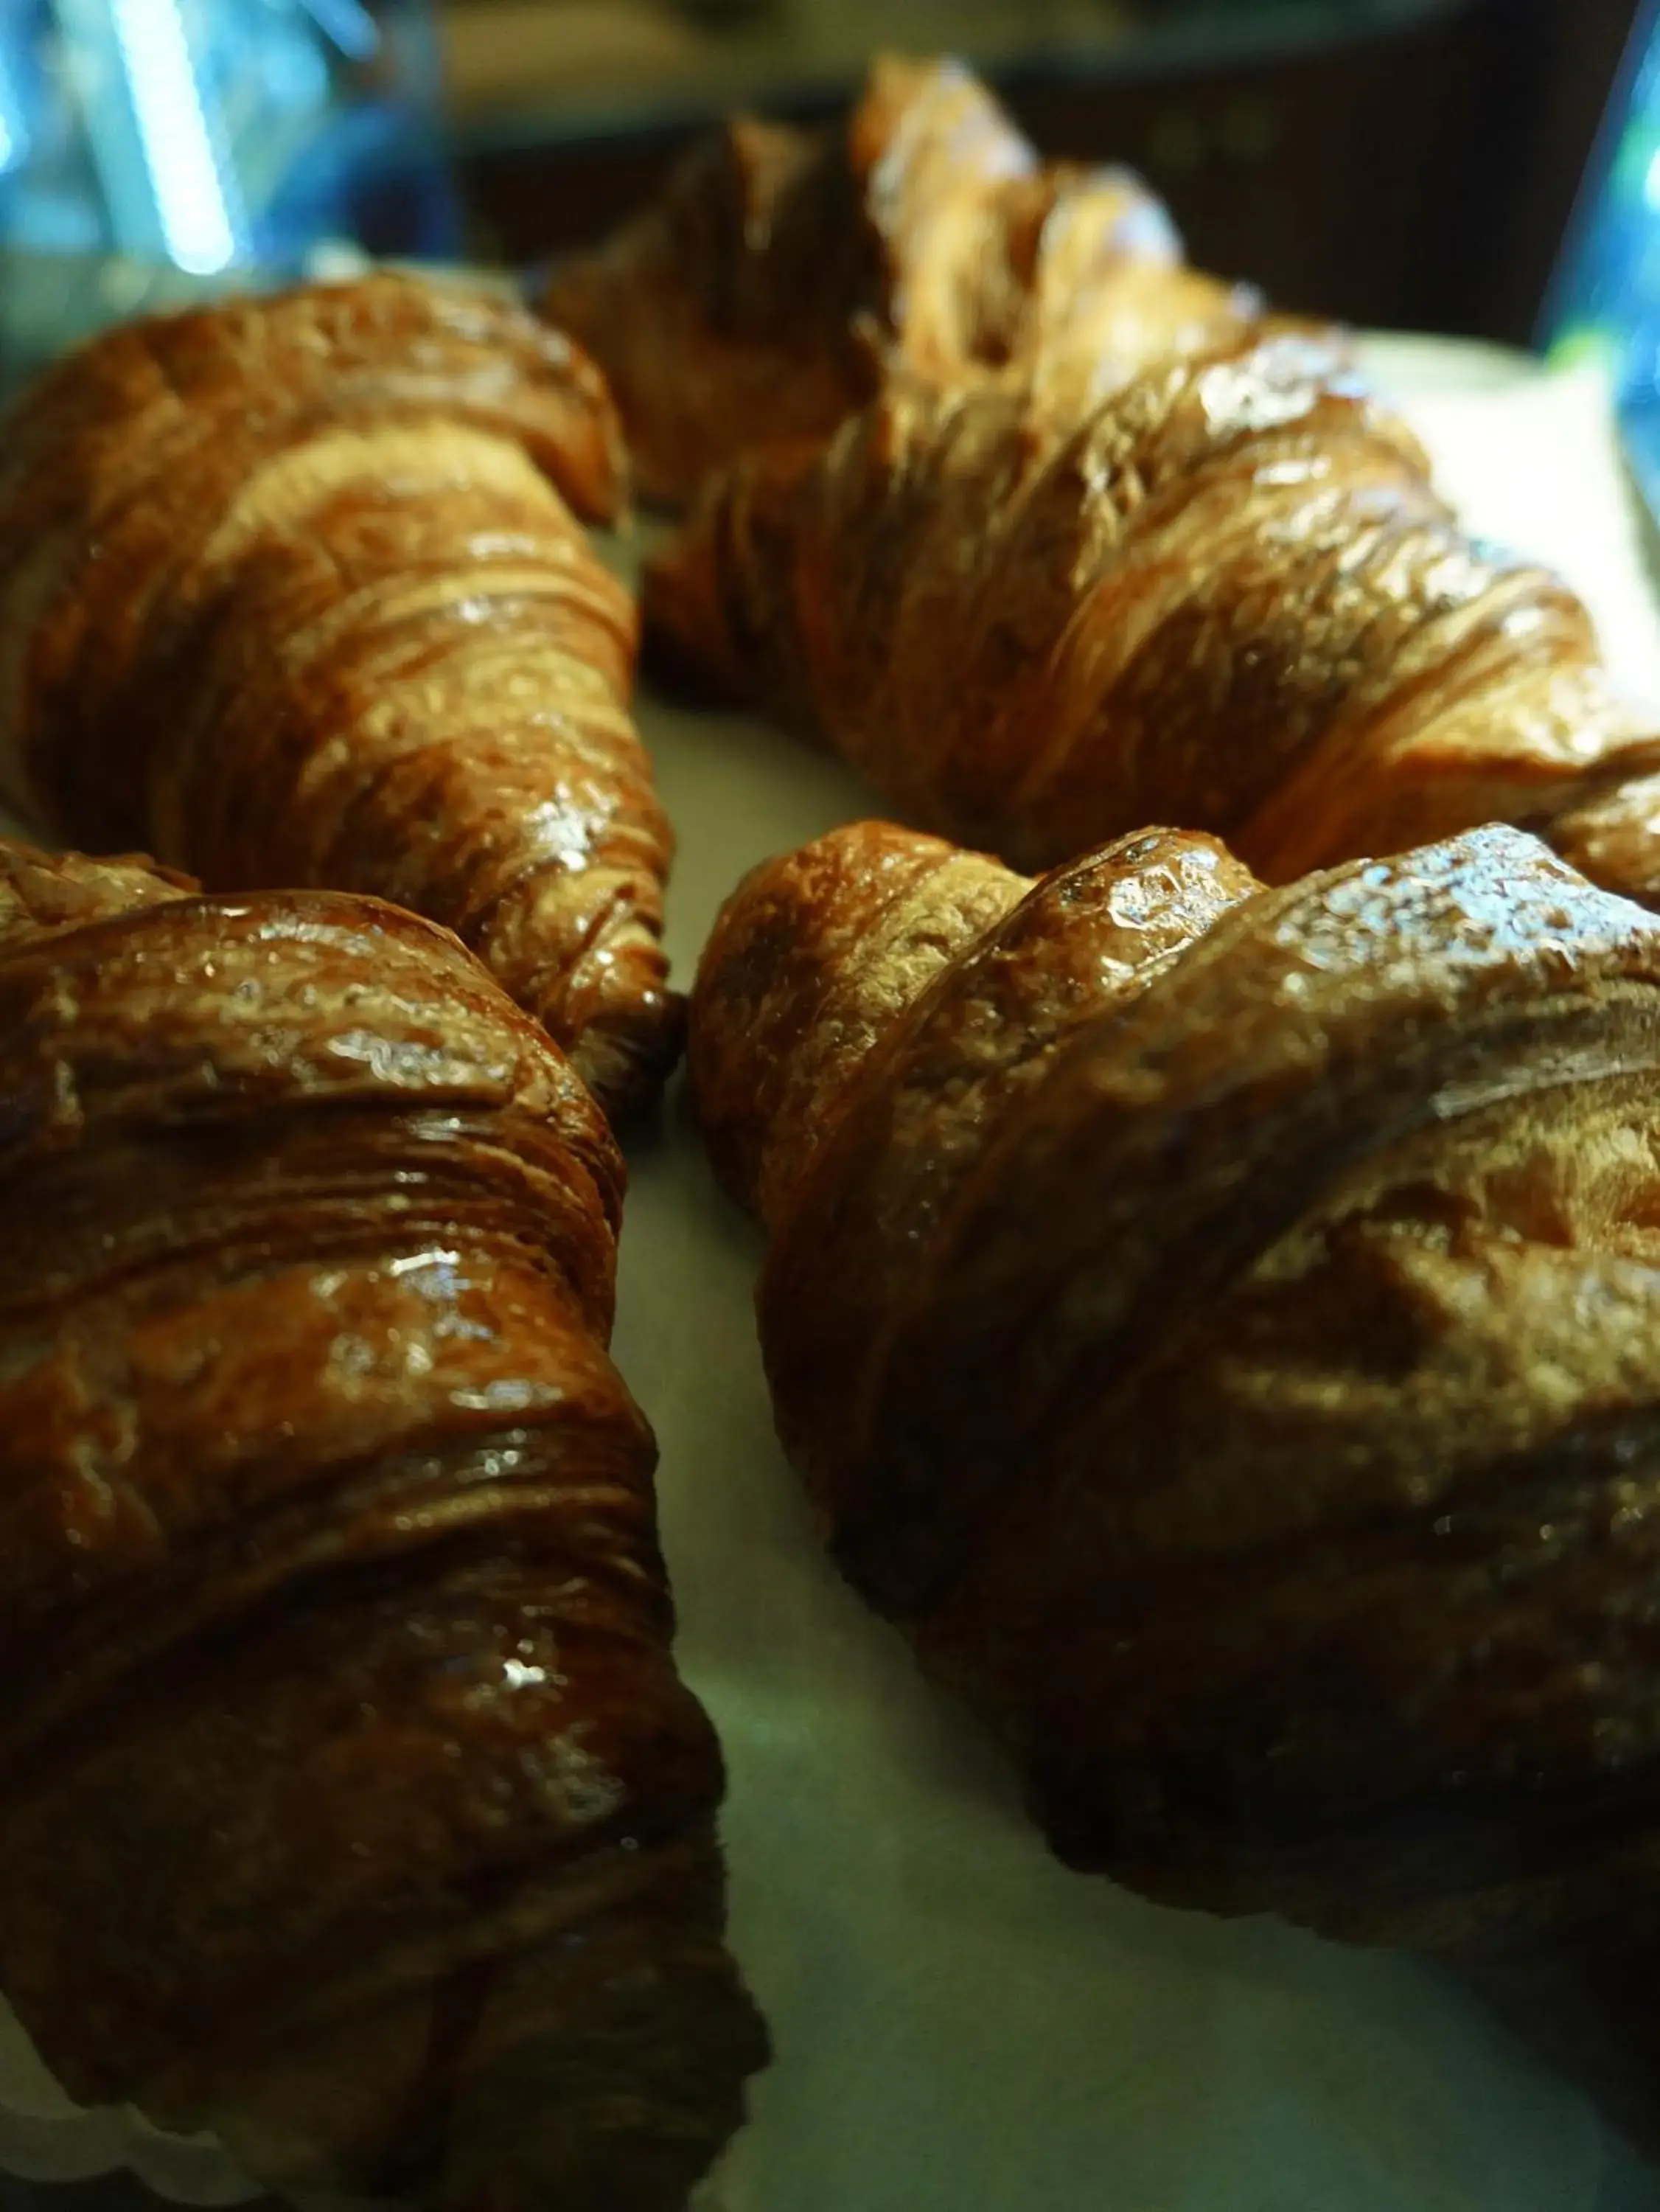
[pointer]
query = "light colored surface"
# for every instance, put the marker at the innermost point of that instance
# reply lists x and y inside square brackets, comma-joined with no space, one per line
[961,2027]
[1529,457]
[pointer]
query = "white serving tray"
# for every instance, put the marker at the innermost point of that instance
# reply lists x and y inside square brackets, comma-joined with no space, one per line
[962,2026]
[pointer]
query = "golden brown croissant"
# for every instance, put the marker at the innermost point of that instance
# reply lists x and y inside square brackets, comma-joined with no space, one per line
[1221,1326]
[352,1804]
[1229,597]
[294,593]
[783,270]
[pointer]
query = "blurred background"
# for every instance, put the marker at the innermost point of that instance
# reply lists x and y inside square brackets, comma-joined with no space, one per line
[1402,162]
[1486,168]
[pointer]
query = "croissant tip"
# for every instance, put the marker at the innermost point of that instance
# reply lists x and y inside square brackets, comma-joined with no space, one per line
[627,1056]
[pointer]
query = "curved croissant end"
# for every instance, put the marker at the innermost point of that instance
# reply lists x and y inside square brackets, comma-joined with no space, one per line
[296,594]
[353,1806]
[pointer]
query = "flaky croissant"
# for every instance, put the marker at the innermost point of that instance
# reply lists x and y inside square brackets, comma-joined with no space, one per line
[1221,1327]
[352,1805]
[783,271]
[294,593]
[1228,597]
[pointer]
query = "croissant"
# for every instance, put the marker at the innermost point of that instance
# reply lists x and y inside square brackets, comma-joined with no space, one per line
[1227,597]
[296,593]
[783,271]
[353,1806]
[1220,1325]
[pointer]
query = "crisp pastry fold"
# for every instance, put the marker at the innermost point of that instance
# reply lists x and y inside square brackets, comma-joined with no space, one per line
[296,592]
[1227,596]
[352,1805]
[783,272]
[1220,1325]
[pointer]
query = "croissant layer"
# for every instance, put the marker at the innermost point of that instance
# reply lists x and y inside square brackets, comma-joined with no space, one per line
[299,594]
[352,1804]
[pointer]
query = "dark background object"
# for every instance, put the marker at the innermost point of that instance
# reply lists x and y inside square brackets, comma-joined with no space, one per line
[1411,165]
[111,2192]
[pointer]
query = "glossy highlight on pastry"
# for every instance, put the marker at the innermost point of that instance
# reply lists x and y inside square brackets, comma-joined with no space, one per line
[296,592]
[354,1808]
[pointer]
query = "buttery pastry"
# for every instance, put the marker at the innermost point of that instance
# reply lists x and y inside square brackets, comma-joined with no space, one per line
[1228,597]
[295,592]
[783,271]
[352,1805]
[1221,1327]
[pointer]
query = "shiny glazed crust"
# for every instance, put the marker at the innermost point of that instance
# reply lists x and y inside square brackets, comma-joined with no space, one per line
[783,272]
[1228,596]
[295,592]
[352,1806]
[1220,1325]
